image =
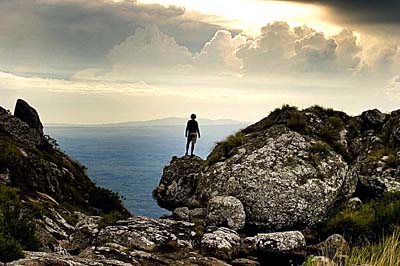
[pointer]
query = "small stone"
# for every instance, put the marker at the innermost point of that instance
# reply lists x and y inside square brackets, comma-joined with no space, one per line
[322,261]
[335,246]
[181,214]
[354,203]
[244,262]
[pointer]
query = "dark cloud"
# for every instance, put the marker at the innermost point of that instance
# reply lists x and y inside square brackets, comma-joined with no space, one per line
[63,36]
[361,11]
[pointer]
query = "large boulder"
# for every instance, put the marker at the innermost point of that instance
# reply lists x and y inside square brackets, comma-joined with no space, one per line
[28,115]
[280,242]
[226,211]
[373,117]
[223,243]
[177,192]
[19,129]
[282,183]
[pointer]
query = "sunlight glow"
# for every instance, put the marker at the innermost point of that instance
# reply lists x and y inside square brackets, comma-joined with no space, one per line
[251,15]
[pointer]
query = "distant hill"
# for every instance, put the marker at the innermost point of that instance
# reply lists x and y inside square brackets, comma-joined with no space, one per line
[170,121]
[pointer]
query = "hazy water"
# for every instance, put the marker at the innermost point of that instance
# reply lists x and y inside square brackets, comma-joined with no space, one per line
[129,160]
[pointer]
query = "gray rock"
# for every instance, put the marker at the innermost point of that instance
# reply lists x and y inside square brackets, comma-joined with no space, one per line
[373,117]
[334,247]
[197,214]
[280,242]
[19,129]
[223,243]
[226,211]
[28,115]
[322,261]
[277,194]
[354,203]
[181,214]
[244,262]
[176,192]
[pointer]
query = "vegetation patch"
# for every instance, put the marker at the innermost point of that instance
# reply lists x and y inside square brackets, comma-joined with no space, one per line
[10,249]
[9,151]
[368,223]
[17,230]
[224,149]
[379,154]
[296,121]
[110,219]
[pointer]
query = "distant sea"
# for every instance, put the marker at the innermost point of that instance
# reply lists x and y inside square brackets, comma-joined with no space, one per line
[130,160]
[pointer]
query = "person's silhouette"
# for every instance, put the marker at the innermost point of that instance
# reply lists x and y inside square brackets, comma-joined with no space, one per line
[191,133]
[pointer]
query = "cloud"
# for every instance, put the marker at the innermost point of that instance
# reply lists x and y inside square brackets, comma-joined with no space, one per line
[269,51]
[149,47]
[38,84]
[281,49]
[361,11]
[219,54]
[60,37]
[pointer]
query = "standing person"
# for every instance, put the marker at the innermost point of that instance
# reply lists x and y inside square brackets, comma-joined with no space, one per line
[191,133]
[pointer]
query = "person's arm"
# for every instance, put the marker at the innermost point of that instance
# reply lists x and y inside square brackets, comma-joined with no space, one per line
[198,130]
[187,129]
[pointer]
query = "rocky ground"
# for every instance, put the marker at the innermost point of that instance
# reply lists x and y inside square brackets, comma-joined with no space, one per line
[257,200]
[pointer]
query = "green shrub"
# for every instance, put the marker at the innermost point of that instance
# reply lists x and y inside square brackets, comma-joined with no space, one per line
[320,147]
[106,200]
[10,249]
[331,129]
[16,221]
[368,223]
[378,154]
[224,148]
[9,151]
[110,218]
[296,121]
[235,140]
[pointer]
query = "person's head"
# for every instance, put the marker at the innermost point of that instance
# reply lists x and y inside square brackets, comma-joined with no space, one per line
[193,116]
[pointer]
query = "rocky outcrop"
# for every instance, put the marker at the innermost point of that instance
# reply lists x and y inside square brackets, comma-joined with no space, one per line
[19,129]
[273,177]
[291,169]
[29,115]
[174,192]
[373,117]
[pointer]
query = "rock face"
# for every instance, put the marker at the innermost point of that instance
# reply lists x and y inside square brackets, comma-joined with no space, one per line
[28,115]
[20,130]
[374,117]
[290,169]
[272,176]
[226,211]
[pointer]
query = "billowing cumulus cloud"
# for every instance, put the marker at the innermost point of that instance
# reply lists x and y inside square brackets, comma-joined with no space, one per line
[220,52]
[282,49]
[149,47]
[60,37]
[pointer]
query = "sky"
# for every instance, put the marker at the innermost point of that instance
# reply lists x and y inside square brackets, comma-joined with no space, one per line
[105,61]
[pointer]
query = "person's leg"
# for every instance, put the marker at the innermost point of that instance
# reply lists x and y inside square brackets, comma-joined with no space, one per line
[192,149]
[187,146]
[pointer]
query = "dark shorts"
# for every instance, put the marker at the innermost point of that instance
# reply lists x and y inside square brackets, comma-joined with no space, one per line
[192,137]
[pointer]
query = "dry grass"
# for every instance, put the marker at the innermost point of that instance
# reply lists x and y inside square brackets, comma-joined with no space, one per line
[386,253]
